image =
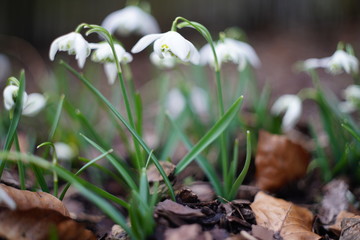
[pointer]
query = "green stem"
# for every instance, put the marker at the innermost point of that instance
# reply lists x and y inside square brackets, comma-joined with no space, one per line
[139,161]
[20,164]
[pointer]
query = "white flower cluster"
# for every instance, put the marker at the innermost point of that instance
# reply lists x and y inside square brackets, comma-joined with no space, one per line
[230,50]
[339,62]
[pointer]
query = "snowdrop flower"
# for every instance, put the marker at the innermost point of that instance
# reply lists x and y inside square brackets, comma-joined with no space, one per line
[104,54]
[199,100]
[74,44]
[291,105]
[168,45]
[131,19]
[230,50]
[352,99]
[64,151]
[162,62]
[175,103]
[32,103]
[340,61]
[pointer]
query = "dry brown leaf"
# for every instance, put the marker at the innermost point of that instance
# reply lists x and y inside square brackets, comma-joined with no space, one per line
[350,229]
[290,221]
[336,227]
[26,200]
[188,232]
[334,200]
[153,174]
[37,223]
[279,161]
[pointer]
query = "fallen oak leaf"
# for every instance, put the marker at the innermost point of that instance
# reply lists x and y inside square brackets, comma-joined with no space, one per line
[37,223]
[336,227]
[25,200]
[290,221]
[279,161]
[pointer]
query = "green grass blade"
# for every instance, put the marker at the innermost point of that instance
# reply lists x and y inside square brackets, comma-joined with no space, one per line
[15,119]
[122,171]
[352,131]
[56,118]
[97,93]
[106,171]
[139,113]
[203,163]
[21,167]
[83,168]
[210,136]
[245,169]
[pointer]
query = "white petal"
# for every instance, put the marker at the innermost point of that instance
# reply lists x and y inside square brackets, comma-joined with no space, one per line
[34,104]
[82,50]
[199,100]
[175,102]
[206,55]
[110,72]
[177,44]
[347,107]
[145,41]
[64,151]
[9,93]
[131,19]
[166,62]
[291,105]
[194,55]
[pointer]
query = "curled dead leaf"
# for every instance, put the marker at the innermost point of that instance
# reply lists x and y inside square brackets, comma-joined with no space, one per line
[39,224]
[279,161]
[290,221]
[25,200]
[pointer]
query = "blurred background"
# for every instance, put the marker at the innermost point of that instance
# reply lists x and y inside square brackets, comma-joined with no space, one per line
[281,31]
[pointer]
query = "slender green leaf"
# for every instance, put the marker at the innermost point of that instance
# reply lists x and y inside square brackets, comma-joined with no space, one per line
[245,169]
[56,118]
[203,163]
[210,136]
[352,131]
[83,168]
[15,119]
[123,172]
[122,119]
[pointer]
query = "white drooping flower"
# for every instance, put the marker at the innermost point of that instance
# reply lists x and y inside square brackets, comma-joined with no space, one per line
[352,99]
[131,19]
[199,100]
[290,105]
[175,103]
[168,45]
[162,62]
[64,151]
[32,103]
[339,62]
[230,50]
[343,61]
[74,44]
[104,54]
